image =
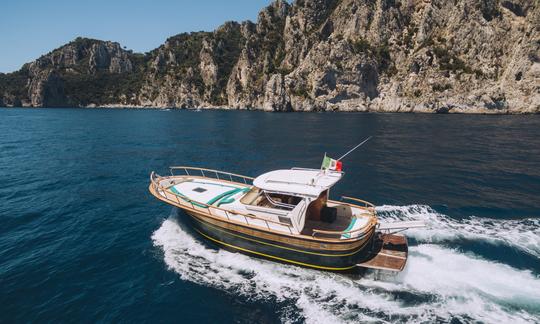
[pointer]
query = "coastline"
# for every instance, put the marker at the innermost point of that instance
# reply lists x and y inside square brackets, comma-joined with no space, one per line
[399,110]
[299,57]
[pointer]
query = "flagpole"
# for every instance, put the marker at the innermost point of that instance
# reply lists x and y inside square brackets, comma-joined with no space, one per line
[354,148]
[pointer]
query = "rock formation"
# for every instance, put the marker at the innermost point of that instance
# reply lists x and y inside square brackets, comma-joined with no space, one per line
[463,56]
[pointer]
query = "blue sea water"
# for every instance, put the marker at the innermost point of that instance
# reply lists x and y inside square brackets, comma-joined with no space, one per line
[82,240]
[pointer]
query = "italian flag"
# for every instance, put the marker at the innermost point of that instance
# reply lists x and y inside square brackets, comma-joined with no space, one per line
[331,164]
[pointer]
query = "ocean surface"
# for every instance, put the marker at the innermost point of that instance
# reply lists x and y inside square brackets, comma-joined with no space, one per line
[82,240]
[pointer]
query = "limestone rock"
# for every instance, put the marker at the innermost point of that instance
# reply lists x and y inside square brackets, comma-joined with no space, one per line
[463,56]
[276,98]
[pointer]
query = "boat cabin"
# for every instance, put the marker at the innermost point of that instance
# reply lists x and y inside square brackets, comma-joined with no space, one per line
[299,197]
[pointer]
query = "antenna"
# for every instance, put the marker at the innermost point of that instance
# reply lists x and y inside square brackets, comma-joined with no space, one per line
[354,148]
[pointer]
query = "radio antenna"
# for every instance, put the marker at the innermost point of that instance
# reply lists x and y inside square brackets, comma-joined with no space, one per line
[354,148]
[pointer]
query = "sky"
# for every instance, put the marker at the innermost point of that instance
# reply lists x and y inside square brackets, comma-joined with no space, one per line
[31,28]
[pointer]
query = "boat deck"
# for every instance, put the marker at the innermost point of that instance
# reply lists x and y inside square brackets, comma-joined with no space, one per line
[340,224]
[392,254]
[207,191]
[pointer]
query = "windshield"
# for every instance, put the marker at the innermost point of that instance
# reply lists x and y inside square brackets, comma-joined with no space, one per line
[262,198]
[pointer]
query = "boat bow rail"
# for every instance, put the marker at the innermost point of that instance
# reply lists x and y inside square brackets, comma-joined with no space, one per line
[209,173]
[201,207]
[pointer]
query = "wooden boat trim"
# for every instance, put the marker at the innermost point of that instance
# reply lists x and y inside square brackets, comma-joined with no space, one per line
[155,187]
[276,257]
[221,229]
[281,237]
[315,231]
[392,255]
[367,203]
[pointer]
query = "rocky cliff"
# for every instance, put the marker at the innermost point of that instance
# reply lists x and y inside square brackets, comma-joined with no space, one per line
[477,56]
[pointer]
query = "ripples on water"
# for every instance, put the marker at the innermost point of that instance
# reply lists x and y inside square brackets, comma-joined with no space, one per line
[81,239]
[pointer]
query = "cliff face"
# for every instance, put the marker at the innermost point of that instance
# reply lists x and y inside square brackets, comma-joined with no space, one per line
[479,56]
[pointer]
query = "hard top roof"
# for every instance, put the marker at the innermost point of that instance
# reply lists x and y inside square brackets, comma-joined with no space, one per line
[307,182]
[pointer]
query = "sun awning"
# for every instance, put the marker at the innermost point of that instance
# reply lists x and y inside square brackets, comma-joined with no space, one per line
[306,182]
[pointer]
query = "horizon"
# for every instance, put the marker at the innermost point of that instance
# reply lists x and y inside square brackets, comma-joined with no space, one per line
[31,30]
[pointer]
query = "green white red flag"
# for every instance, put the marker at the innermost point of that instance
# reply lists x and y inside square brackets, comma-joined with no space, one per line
[331,164]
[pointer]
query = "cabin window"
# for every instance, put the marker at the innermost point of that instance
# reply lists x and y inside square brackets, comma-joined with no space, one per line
[262,198]
[285,220]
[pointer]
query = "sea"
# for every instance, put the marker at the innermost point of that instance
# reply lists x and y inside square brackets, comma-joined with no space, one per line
[82,240]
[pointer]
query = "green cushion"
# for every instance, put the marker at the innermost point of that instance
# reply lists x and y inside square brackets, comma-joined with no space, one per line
[176,192]
[229,199]
[223,195]
[351,226]
[223,198]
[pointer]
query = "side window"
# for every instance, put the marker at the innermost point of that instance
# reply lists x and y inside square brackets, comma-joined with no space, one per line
[285,220]
[281,201]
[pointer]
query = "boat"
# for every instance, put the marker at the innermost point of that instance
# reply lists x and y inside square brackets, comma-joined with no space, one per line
[286,216]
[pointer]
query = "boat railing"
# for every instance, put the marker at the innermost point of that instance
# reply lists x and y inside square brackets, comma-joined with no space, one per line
[211,210]
[365,204]
[209,173]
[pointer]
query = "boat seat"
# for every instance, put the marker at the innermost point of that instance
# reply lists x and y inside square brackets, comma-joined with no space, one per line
[229,198]
[356,223]
[250,197]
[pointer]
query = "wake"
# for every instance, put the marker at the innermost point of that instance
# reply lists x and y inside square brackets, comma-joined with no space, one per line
[523,235]
[438,283]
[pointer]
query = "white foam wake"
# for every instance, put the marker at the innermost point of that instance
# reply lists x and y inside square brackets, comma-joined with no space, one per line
[439,283]
[521,234]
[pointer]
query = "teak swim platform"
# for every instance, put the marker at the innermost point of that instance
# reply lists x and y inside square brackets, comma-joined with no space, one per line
[286,216]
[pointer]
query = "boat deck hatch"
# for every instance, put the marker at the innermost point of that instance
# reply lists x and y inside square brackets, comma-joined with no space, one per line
[199,189]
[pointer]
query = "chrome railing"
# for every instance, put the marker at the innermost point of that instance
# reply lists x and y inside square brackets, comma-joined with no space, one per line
[209,173]
[185,202]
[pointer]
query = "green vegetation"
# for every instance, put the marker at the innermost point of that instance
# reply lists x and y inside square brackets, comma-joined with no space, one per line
[100,89]
[450,62]
[441,87]
[300,91]
[361,46]
[14,84]
[227,49]
[409,36]
[489,9]
[380,53]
